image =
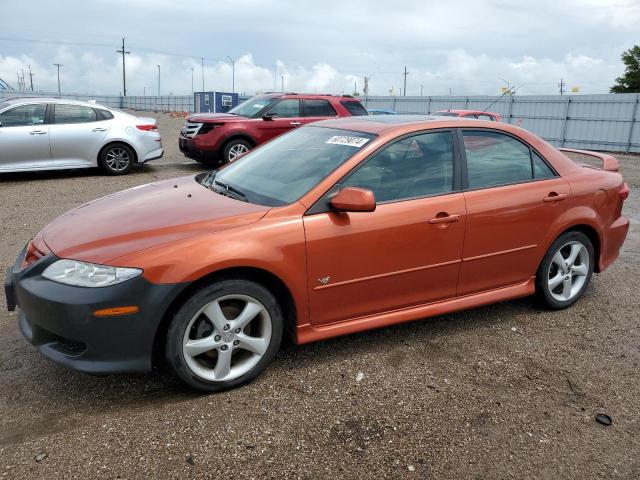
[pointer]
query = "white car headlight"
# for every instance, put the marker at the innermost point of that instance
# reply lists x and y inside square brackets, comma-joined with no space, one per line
[82,274]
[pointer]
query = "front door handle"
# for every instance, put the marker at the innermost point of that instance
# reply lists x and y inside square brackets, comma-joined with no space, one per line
[38,132]
[443,217]
[99,129]
[555,197]
[295,124]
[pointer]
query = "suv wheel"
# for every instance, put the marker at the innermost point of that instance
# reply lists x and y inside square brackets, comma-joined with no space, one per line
[226,334]
[566,270]
[116,159]
[234,149]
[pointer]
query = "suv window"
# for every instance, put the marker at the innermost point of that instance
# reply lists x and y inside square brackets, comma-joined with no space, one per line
[498,159]
[416,166]
[317,108]
[73,114]
[24,115]
[287,108]
[355,108]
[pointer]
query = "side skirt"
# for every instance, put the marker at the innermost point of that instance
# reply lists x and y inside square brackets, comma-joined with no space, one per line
[308,333]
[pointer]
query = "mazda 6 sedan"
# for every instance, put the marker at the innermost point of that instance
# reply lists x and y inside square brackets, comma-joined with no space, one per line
[51,133]
[334,228]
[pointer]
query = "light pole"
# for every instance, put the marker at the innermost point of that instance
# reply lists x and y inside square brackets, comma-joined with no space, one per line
[58,65]
[233,74]
[192,80]
[158,79]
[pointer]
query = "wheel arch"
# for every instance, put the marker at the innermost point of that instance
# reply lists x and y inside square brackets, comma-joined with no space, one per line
[267,279]
[238,136]
[593,235]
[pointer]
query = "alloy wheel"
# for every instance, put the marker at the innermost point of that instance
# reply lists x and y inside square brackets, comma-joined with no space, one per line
[236,150]
[568,271]
[117,159]
[227,337]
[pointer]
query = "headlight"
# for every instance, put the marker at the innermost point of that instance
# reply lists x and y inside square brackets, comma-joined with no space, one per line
[82,274]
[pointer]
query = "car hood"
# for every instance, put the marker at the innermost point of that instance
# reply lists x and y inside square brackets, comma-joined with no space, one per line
[144,217]
[215,117]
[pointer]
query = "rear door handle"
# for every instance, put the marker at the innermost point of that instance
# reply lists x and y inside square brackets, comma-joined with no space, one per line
[99,129]
[38,132]
[444,218]
[295,124]
[555,197]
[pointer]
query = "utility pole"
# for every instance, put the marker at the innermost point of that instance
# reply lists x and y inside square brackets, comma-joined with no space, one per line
[192,80]
[58,65]
[124,72]
[404,90]
[365,88]
[421,89]
[233,74]
[202,68]
[158,79]
[282,82]
[31,74]
[561,85]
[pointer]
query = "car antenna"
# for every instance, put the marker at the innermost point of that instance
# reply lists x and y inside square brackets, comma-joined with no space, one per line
[506,92]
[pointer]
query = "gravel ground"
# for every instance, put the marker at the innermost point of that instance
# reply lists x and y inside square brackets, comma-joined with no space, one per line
[505,391]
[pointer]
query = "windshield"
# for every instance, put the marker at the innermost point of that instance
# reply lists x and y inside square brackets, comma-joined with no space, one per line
[285,169]
[252,106]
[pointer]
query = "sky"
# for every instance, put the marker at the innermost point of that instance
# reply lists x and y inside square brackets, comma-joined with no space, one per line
[457,47]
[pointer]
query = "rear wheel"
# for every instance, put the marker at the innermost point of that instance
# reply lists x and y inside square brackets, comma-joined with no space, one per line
[116,159]
[234,149]
[566,270]
[226,334]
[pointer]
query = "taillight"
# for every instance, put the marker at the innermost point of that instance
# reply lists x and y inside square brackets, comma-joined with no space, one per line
[624,191]
[147,128]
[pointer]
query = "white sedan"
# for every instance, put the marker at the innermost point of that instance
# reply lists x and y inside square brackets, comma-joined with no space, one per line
[52,133]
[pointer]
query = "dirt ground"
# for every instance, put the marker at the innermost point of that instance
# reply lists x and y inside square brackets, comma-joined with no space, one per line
[505,391]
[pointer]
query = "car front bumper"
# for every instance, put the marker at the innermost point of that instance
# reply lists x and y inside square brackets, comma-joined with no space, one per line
[59,321]
[190,150]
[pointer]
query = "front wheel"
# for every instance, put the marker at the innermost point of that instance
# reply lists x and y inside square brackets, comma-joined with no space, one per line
[226,334]
[234,149]
[566,270]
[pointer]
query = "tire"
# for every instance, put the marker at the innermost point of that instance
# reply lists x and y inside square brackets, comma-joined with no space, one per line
[116,159]
[204,335]
[235,148]
[561,280]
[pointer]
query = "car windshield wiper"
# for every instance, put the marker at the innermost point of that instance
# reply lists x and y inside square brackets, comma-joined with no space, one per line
[228,189]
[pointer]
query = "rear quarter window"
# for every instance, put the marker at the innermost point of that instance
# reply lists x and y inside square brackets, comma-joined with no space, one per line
[355,108]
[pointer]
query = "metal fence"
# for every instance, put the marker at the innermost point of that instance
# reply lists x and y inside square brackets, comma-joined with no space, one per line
[596,122]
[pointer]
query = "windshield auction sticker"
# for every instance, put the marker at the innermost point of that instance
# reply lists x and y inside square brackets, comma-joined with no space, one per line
[348,141]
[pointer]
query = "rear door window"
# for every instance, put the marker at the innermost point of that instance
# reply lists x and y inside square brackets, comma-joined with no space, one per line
[24,115]
[355,108]
[64,113]
[317,108]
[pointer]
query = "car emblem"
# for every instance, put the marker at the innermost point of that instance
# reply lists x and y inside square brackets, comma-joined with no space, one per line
[324,280]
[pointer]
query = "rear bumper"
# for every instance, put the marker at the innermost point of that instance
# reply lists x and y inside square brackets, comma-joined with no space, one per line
[153,155]
[613,239]
[58,319]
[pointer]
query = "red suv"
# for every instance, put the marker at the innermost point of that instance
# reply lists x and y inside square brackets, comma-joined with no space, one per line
[213,138]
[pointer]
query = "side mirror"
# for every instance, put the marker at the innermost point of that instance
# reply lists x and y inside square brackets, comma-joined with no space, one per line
[268,116]
[352,199]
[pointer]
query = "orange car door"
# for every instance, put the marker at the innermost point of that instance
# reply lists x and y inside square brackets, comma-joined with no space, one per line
[512,198]
[407,252]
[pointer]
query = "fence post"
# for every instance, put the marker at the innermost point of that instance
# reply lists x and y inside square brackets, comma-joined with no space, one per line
[566,120]
[466,102]
[509,114]
[634,117]
[394,103]
[429,106]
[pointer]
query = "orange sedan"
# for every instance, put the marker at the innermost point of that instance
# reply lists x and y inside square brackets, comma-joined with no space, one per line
[334,228]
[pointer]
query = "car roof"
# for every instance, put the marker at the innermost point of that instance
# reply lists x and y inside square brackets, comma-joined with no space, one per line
[380,123]
[37,99]
[477,112]
[307,95]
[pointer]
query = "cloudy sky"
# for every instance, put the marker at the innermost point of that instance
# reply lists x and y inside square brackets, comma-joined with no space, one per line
[466,47]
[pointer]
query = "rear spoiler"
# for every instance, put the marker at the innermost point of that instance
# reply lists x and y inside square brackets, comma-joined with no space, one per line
[609,162]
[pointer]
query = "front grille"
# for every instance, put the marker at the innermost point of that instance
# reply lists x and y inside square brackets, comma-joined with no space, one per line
[190,129]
